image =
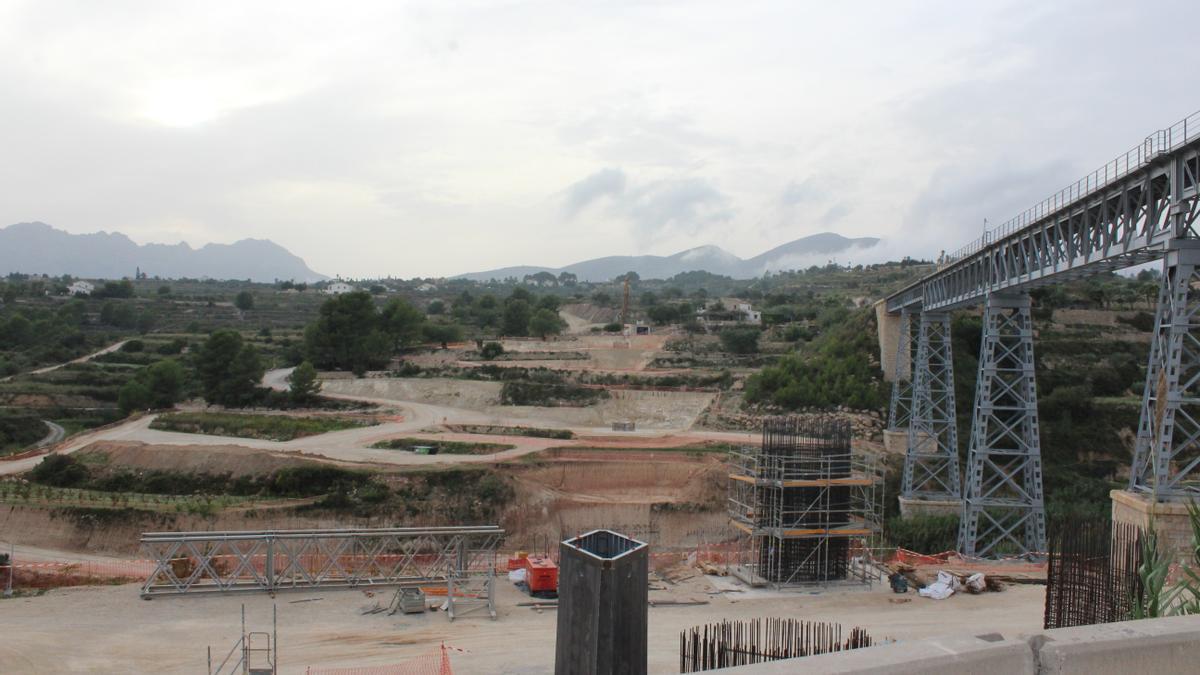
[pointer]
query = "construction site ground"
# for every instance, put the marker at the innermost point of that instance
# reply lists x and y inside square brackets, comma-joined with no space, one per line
[110,629]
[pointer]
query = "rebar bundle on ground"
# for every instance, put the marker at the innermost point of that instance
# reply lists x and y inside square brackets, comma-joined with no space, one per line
[740,643]
[1092,573]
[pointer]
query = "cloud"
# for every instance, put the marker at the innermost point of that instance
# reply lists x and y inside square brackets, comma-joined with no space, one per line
[603,183]
[836,213]
[654,209]
[950,211]
[808,190]
[684,205]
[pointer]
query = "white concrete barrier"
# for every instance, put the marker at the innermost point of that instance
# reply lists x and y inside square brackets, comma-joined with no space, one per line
[1159,646]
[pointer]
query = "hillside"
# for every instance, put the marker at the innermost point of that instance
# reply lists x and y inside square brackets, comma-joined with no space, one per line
[37,248]
[797,254]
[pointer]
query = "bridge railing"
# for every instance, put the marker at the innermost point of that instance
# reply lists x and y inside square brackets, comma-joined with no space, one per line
[1157,143]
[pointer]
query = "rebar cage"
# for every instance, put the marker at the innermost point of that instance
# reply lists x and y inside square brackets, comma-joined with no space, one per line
[808,507]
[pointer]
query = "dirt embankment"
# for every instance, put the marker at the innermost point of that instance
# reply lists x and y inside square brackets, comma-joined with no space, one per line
[668,498]
[215,459]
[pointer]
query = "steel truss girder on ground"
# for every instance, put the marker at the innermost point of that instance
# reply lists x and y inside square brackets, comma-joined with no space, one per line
[900,409]
[1003,509]
[931,461]
[276,560]
[1167,453]
[1124,214]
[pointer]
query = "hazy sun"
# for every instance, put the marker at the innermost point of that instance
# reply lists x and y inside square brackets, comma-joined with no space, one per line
[177,103]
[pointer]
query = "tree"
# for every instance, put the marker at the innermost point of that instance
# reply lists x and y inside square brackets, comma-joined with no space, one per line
[244,301]
[164,382]
[304,383]
[402,322]
[544,323]
[349,334]
[663,314]
[116,289]
[491,350]
[516,317]
[132,396]
[740,340]
[436,307]
[164,290]
[246,371]
[443,333]
[229,371]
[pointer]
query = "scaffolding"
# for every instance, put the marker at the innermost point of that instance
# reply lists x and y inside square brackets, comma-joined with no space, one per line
[807,507]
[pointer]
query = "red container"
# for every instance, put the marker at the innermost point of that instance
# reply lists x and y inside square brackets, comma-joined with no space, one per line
[542,574]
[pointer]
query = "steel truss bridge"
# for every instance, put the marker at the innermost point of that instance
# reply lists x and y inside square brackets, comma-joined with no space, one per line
[1141,207]
[461,558]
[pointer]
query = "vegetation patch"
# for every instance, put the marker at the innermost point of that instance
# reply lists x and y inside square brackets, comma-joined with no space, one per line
[19,431]
[549,395]
[532,432]
[695,448]
[923,534]
[440,447]
[265,427]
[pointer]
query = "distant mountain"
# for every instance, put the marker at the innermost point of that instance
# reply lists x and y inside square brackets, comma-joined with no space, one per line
[798,254]
[37,248]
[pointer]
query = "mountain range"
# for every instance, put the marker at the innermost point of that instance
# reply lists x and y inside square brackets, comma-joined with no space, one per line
[798,254]
[37,248]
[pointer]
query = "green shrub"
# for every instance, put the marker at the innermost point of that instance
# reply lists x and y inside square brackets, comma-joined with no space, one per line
[491,350]
[550,395]
[923,534]
[266,427]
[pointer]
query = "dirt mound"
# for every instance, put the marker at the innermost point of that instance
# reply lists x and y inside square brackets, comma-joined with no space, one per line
[668,499]
[216,459]
[588,313]
[468,394]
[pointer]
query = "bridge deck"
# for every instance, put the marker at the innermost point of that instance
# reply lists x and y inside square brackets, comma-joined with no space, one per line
[1123,214]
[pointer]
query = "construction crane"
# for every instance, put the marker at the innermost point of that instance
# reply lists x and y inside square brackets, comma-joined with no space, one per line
[625,305]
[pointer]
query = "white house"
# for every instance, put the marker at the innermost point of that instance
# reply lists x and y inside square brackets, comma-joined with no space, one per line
[81,288]
[338,288]
[749,314]
[426,288]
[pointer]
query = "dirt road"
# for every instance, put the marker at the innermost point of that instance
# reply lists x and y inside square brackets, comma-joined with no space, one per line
[111,630]
[83,359]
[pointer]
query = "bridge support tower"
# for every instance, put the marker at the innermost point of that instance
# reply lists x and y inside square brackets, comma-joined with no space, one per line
[1166,460]
[1003,509]
[931,481]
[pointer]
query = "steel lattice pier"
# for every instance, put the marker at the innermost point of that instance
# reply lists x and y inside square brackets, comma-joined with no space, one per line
[1003,511]
[931,462]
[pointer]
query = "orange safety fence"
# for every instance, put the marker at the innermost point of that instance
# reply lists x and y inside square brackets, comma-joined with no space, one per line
[435,663]
[44,575]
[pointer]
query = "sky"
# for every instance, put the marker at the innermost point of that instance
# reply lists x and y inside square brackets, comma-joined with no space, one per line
[423,139]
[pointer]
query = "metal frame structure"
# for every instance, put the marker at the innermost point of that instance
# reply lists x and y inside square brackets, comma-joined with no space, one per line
[1168,442]
[463,558]
[806,506]
[931,461]
[1142,206]
[251,659]
[1003,510]
[900,408]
